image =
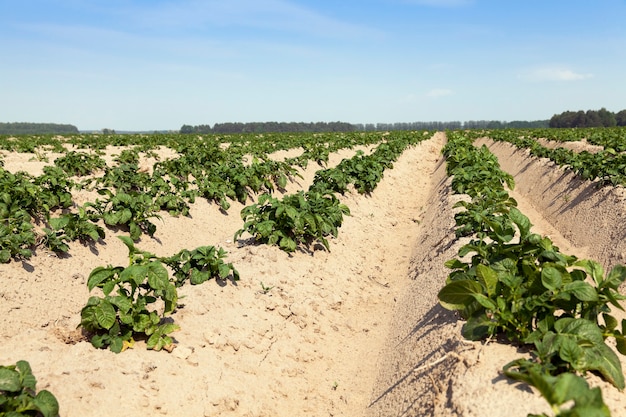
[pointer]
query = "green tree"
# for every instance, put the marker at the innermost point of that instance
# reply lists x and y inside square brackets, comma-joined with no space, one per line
[186,129]
[607,118]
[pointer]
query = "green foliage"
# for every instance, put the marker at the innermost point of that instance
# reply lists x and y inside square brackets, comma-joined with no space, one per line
[25,128]
[307,217]
[19,193]
[116,319]
[55,188]
[128,157]
[19,200]
[19,396]
[170,195]
[364,172]
[528,290]
[608,166]
[126,310]
[568,394]
[16,232]
[79,163]
[301,218]
[56,241]
[125,178]
[200,265]
[78,226]
[132,210]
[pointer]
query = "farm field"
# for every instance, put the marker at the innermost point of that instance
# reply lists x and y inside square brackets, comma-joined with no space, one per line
[356,330]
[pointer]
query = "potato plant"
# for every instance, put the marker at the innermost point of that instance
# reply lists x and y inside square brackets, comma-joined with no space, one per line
[79,163]
[19,396]
[131,209]
[297,219]
[199,265]
[124,311]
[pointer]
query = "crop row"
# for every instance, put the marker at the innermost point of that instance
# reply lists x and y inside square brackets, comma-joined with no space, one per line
[132,198]
[243,143]
[608,166]
[508,280]
[305,218]
[607,137]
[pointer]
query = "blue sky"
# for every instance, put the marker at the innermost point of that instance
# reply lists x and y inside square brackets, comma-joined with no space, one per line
[157,64]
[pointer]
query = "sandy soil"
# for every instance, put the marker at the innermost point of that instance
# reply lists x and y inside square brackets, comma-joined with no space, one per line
[577,146]
[356,331]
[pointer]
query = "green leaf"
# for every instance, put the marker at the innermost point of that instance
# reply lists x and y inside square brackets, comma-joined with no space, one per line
[9,380]
[124,304]
[551,278]
[116,345]
[521,221]
[604,360]
[111,218]
[291,211]
[46,403]
[459,294]
[569,350]
[198,277]
[288,244]
[478,326]
[224,270]
[596,354]
[99,275]
[134,230]
[129,244]
[581,328]
[105,314]
[58,223]
[581,290]
[488,277]
[454,264]
[485,301]
[26,374]
[609,321]
[615,277]
[158,277]
[5,256]
[135,274]
[593,268]
[108,287]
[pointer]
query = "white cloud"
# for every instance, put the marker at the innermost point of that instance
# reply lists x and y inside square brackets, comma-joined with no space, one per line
[275,15]
[554,74]
[439,92]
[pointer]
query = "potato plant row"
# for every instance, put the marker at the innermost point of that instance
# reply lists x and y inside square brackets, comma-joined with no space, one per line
[205,167]
[607,137]
[608,166]
[306,218]
[507,280]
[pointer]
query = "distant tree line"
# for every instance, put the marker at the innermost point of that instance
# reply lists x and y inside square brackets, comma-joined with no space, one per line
[267,127]
[278,127]
[453,125]
[36,128]
[589,118]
